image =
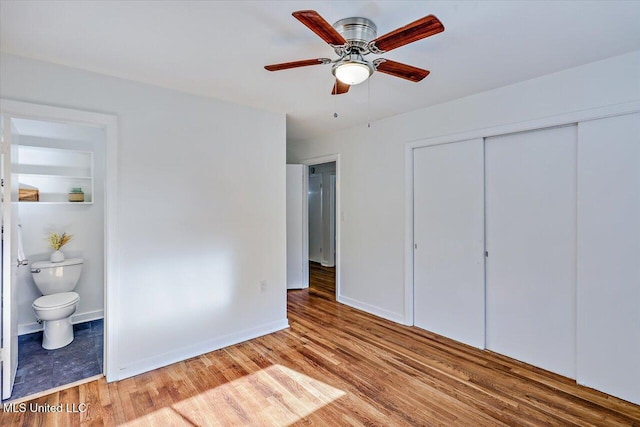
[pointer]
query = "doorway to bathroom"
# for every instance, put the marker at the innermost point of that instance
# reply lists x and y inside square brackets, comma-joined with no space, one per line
[55,180]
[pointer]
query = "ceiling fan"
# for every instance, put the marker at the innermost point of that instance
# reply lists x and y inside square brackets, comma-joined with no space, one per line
[354,38]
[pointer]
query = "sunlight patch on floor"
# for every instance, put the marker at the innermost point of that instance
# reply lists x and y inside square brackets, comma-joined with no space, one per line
[275,395]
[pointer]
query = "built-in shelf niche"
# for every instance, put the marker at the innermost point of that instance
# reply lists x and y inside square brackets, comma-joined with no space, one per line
[54,172]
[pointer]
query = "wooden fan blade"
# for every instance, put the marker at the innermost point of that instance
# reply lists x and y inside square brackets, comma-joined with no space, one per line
[401,70]
[417,30]
[318,25]
[340,88]
[296,64]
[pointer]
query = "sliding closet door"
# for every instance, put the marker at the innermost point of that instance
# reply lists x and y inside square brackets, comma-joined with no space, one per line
[449,240]
[609,255]
[531,244]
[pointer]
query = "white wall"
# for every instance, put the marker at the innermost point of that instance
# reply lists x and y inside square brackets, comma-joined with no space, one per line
[201,212]
[86,224]
[373,165]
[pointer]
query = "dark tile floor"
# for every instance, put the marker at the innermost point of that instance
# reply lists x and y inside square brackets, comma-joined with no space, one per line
[40,369]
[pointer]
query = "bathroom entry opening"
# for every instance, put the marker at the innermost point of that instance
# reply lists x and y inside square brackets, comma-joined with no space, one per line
[324,228]
[54,148]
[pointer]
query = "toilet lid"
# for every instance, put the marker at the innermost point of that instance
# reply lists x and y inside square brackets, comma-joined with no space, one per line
[63,299]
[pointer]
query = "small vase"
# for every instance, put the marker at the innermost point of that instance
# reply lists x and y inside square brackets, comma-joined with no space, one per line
[57,256]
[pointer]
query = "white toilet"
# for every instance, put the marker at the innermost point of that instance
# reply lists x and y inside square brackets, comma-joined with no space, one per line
[56,280]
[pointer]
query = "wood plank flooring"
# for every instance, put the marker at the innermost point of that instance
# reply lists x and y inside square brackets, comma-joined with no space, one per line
[338,366]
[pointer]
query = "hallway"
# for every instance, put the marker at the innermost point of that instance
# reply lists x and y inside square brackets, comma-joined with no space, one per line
[322,281]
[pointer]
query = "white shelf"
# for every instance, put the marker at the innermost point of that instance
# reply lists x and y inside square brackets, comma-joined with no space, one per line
[40,175]
[55,203]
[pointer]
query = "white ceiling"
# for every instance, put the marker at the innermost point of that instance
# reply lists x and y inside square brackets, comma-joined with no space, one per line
[219,48]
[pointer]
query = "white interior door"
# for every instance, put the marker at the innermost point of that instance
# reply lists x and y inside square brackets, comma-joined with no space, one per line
[9,258]
[531,244]
[449,240]
[297,250]
[315,218]
[609,255]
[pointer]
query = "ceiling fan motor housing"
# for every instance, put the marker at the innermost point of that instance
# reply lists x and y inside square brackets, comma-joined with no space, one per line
[357,31]
[352,68]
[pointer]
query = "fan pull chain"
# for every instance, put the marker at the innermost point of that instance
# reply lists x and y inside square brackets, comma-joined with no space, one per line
[369,102]
[335,100]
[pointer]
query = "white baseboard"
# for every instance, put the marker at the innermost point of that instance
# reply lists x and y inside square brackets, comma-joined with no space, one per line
[29,328]
[372,309]
[184,353]
[87,317]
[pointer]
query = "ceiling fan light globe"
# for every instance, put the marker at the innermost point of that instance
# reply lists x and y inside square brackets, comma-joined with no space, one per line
[352,73]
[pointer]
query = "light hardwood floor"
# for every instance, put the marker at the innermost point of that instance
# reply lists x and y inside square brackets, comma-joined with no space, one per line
[338,366]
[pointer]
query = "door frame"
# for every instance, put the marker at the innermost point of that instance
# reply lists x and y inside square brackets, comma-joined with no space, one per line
[9,250]
[338,223]
[24,110]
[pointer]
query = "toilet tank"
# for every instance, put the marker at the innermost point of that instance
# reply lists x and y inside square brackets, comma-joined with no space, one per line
[56,277]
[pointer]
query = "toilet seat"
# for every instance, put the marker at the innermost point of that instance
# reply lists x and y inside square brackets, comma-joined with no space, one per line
[56,301]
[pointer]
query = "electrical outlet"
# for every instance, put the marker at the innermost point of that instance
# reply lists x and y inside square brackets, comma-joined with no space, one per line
[263,285]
